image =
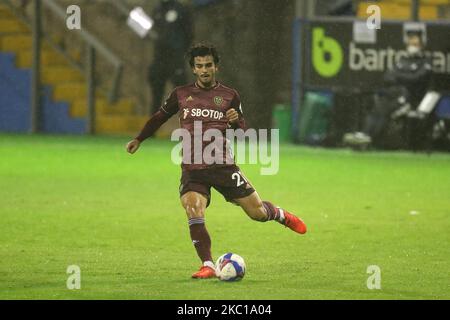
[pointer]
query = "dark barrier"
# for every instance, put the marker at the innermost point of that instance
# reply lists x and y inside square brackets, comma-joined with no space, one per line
[346,55]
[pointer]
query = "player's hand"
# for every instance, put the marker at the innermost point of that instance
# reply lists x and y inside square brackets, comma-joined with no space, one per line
[232,116]
[133,146]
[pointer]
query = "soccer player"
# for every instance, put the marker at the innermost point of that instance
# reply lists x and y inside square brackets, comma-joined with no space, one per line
[216,107]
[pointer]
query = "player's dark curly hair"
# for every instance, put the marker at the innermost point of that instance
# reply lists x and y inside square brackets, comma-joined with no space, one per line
[202,50]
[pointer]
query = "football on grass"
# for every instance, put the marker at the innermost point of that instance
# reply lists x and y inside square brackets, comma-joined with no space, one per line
[230,267]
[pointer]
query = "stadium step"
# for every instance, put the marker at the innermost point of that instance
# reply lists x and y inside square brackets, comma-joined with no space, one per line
[70,91]
[60,74]
[15,42]
[398,10]
[425,2]
[48,58]
[5,13]
[78,108]
[119,124]
[18,42]
[10,25]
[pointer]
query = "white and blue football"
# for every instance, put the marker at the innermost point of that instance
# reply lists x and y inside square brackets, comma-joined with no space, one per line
[230,267]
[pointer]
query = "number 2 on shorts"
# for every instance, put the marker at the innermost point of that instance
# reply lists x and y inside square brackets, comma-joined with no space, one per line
[237,176]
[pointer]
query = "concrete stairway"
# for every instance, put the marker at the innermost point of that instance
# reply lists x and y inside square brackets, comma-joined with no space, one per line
[68,83]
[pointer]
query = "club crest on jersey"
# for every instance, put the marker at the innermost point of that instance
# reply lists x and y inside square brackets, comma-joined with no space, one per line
[189,99]
[218,100]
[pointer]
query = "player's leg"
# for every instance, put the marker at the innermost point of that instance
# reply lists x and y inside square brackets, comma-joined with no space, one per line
[264,211]
[236,188]
[253,207]
[195,205]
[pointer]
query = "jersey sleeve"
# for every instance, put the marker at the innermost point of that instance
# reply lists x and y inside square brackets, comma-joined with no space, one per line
[170,106]
[236,104]
[167,110]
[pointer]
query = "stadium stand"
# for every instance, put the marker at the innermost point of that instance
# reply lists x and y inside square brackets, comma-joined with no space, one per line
[64,103]
[401,9]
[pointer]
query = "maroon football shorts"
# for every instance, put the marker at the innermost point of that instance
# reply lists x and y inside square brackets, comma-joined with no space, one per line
[228,180]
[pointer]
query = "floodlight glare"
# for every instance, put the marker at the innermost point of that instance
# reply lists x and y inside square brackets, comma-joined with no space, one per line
[140,22]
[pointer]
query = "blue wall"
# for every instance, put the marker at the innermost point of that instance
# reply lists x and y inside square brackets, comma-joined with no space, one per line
[15,101]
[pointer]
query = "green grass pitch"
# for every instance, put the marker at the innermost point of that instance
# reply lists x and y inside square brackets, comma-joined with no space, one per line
[84,201]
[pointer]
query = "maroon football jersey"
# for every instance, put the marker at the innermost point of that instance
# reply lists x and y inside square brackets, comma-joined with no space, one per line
[201,110]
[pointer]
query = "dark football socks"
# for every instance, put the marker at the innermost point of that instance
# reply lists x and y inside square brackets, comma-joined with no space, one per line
[200,238]
[273,213]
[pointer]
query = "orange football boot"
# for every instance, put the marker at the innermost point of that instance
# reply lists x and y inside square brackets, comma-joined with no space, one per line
[204,273]
[294,223]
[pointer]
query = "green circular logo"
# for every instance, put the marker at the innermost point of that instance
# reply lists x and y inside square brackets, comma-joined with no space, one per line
[327,54]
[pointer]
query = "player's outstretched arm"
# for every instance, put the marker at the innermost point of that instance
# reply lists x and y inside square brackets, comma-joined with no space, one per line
[133,146]
[156,121]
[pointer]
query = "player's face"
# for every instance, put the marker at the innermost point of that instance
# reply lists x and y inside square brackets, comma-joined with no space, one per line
[205,70]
